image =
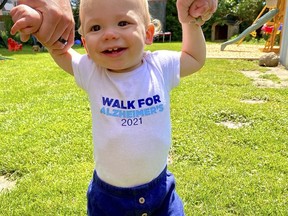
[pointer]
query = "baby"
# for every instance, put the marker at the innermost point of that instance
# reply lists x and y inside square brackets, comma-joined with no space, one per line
[128,90]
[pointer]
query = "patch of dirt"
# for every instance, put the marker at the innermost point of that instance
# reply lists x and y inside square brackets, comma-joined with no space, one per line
[6,184]
[258,81]
[233,125]
[233,51]
[253,101]
[249,52]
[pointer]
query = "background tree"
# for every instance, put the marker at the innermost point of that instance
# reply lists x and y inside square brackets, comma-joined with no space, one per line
[75,8]
[243,11]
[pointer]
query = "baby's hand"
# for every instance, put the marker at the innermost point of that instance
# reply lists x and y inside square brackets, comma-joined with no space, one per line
[26,20]
[196,11]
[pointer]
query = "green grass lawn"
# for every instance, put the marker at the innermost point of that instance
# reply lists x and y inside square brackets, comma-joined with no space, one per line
[46,143]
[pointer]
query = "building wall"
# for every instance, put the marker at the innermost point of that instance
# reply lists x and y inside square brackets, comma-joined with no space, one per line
[223,32]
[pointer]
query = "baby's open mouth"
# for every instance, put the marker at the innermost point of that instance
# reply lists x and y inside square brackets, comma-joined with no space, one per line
[114,50]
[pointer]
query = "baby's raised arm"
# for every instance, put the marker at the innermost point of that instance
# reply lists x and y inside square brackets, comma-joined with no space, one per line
[192,14]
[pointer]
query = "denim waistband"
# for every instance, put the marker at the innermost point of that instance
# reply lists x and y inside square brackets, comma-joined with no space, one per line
[129,191]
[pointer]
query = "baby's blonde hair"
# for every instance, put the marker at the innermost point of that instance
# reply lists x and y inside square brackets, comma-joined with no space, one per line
[146,17]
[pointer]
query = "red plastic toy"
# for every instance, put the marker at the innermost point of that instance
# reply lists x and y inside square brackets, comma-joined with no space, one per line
[13,45]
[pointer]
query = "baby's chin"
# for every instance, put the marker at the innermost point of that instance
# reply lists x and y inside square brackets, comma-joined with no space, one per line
[117,70]
[125,69]
[120,70]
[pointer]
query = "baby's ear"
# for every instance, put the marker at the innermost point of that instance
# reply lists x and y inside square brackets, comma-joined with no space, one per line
[150,34]
[84,44]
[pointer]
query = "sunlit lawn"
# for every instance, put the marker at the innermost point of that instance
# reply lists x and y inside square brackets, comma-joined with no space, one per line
[46,145]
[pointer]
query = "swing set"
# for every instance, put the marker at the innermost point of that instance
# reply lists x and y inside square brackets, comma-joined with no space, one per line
[276,25]
[272,23]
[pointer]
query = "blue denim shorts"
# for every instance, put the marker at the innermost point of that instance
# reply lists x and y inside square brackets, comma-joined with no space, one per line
[156,198]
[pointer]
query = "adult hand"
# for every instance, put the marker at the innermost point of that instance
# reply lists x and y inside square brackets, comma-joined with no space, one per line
[196,11]
[57,25]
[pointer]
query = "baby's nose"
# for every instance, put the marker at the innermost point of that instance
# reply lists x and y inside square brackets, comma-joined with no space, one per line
[110,34]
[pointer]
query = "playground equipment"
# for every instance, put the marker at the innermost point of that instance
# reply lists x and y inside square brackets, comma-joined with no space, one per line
[284,42]
[277,21]
[274,18]
[13,45]
[2,3]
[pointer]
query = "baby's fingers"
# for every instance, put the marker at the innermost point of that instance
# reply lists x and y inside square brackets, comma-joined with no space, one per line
[24,37]
[214,6]
[207,16]
[18,26]
[198,8]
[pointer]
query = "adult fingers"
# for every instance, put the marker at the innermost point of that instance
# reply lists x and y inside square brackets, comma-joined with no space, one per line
[59,47]
[61,32]
[48,30]
[33,4]
[71,38]
[63,42]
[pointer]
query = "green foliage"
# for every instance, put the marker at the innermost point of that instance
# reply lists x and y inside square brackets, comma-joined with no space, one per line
[75,9]
[4,36]
[8,23]
[172,23]
[245,10]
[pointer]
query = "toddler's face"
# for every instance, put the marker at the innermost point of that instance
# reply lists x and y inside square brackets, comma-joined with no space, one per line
[114,34]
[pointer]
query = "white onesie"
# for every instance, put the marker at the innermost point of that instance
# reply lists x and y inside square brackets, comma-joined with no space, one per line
[130,116]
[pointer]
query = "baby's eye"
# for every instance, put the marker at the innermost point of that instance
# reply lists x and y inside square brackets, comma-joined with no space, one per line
[95,28]
[123,23]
